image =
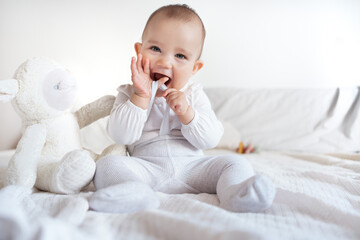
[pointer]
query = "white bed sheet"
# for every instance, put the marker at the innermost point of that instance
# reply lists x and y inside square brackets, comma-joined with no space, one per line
[318,197]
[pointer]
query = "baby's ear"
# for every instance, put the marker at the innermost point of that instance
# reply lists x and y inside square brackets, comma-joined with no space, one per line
[197,66]
[8,89]
[138,48]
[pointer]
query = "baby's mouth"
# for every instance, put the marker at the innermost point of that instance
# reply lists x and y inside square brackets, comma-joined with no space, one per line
[158,76]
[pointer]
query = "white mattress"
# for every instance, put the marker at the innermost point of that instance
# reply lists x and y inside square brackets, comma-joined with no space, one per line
[318,197]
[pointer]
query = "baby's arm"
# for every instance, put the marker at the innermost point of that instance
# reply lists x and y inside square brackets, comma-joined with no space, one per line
[126,120]
[129,114]
[205,130]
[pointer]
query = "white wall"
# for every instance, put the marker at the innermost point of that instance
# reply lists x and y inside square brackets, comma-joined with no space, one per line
[250,43]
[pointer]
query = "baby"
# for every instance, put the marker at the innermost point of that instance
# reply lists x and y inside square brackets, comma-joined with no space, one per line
[166,120]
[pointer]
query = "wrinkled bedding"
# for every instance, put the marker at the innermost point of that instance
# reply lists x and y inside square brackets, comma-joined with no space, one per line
[318,197]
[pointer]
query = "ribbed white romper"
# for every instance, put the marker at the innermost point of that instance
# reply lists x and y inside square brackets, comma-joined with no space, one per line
[167,155]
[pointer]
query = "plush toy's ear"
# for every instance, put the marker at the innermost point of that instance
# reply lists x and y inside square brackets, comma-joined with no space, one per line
[8,89]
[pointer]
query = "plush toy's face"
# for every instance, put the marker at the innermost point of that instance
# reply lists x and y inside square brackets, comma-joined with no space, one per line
[41,89]
[59,89]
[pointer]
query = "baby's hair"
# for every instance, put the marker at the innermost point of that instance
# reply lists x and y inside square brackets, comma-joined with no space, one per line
[180,12]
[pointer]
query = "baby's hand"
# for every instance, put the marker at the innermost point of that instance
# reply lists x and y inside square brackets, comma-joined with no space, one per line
[140,76]
[177,102]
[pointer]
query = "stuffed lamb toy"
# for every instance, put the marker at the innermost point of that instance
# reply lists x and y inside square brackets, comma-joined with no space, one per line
[49,155]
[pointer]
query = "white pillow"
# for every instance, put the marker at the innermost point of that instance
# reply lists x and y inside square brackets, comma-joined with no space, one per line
[95,137]
[231,137]
[318,120]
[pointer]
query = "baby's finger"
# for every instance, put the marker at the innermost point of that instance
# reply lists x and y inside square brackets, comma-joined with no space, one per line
[162,80]
[139,63]
[133,66]
[177,109]
[147,66]
[173,100]
[175,105]
[168,91]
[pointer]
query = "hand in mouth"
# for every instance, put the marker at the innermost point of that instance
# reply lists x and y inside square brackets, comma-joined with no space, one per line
[158,76]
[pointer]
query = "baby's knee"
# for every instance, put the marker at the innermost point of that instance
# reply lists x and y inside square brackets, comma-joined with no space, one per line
[109,161]
[108,170]
[235,161]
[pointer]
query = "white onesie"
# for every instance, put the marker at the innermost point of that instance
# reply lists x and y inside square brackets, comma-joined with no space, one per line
[167,156]
[133,126]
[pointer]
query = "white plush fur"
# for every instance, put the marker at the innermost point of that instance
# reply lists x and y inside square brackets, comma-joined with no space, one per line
[49,154]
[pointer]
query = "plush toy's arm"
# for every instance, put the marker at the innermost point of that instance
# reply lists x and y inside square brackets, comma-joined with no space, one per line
[95,110]
[23,165]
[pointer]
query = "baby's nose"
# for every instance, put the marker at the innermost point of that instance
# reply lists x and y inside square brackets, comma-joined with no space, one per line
[164,61]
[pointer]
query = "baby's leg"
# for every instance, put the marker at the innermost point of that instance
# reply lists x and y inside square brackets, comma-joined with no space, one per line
[233,179]
[122,186]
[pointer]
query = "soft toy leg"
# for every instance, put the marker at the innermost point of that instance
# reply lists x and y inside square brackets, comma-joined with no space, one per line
[75,170]
[22,166]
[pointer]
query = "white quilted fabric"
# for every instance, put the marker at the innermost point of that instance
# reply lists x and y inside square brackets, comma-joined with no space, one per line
[318,197]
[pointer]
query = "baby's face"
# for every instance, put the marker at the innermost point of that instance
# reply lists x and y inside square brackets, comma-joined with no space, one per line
[173,48]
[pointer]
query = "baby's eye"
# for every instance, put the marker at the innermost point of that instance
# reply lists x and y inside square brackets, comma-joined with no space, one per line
[155,49]
[180,56]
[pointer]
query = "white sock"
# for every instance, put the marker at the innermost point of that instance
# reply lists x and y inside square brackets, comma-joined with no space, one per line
[253,195]
[127,197]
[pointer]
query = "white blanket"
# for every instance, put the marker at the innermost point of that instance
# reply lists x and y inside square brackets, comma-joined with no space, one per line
[318,197]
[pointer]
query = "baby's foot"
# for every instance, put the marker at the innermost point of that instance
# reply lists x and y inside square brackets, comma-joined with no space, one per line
[127,197]
[75,170]
[253,195]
